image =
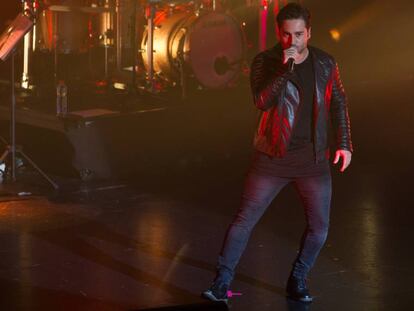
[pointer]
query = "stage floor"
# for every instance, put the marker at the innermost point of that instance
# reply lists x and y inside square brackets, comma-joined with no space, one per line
[154,241]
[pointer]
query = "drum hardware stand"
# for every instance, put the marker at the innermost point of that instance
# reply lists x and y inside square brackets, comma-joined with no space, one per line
[13,35]
[150,43]
[131,85]
[183,80]
[106,37]
[134,47]
[119,16]
[26,79]
[29,44]
[56,42]
[106,60]
[55,52]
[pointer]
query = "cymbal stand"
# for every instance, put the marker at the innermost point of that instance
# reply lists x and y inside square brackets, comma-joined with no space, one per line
[12,149]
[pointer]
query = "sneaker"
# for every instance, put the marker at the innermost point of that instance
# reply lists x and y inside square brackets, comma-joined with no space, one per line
[217,292]
[297,289]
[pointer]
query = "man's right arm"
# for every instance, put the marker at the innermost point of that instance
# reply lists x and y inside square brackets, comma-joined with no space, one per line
[267,84]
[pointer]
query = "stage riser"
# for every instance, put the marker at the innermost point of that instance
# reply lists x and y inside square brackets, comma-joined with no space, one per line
[127,145]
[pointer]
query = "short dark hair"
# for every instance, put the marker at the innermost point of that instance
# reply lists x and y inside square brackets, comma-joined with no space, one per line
[294,11]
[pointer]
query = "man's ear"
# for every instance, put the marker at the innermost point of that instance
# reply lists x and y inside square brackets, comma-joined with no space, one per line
[309,32]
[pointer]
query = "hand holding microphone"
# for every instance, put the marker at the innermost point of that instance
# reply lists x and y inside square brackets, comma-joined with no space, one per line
[290,55]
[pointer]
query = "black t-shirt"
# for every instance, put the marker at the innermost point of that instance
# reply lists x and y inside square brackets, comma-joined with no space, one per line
[302,131]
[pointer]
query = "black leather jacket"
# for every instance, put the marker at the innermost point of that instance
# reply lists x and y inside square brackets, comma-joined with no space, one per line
[277,93]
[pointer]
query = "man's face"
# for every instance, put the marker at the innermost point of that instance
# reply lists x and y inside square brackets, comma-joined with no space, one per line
[293,32]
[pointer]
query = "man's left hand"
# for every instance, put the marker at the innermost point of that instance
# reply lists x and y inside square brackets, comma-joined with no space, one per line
[346,158]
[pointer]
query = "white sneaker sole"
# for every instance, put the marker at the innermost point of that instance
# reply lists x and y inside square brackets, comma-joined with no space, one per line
[210,296]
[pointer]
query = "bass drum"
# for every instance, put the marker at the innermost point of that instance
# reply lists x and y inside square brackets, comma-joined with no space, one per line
[210,46]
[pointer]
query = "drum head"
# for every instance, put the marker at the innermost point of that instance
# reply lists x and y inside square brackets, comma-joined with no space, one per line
[216,49]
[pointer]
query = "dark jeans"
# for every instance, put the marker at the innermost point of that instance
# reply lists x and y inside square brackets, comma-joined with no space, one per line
[259,191]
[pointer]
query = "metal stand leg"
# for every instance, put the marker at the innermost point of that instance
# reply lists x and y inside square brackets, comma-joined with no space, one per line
[45,176]
[106,62]
[5,154]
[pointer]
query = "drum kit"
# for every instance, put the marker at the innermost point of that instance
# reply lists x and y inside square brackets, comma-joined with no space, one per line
[164,42]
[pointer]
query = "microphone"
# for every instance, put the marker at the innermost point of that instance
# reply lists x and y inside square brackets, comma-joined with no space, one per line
[291,64]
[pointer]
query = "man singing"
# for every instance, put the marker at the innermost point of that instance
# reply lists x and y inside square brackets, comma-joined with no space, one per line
[300,93]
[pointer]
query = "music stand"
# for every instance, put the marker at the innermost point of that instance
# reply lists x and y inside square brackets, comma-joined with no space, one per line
[21,25]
